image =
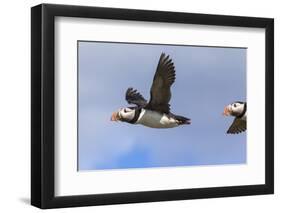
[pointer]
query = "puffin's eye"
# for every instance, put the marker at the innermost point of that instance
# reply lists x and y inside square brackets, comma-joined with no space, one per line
[234,105]
[125,110]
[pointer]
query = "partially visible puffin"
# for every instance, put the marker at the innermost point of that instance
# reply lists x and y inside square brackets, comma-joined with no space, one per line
[155,113]
[237,109]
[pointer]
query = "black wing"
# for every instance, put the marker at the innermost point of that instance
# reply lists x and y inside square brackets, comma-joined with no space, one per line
[237,126]
[134,97]
[160,92]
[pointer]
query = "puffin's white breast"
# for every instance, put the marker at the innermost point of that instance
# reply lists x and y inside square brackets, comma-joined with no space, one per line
[155,119]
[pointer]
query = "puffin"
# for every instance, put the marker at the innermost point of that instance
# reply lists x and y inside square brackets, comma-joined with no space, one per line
[237,109]
[154,113]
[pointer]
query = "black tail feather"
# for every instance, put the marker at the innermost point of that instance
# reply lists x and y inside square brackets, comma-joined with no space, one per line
[182,120]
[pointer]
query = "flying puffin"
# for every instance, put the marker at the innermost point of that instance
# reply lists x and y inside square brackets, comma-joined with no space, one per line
[155,113]
[237,109]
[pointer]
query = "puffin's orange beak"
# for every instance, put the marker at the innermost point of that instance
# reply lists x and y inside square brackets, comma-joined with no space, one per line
[226,111]
[114,116]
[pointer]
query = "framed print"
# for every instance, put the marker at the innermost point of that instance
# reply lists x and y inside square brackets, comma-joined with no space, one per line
[139,106]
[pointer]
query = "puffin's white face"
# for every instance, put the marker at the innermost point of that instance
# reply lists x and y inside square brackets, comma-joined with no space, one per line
[234,109]
[123,114]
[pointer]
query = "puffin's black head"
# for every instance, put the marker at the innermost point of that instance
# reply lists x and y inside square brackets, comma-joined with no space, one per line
[235,109]
[124,114]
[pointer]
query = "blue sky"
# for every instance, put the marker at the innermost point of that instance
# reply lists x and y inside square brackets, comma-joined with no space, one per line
[207,79]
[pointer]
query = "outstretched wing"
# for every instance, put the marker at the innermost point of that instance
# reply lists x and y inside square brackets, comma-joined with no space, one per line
[238,126]
[160,92]
[134,97]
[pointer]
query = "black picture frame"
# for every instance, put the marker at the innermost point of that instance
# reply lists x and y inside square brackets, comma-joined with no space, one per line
[43,100]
